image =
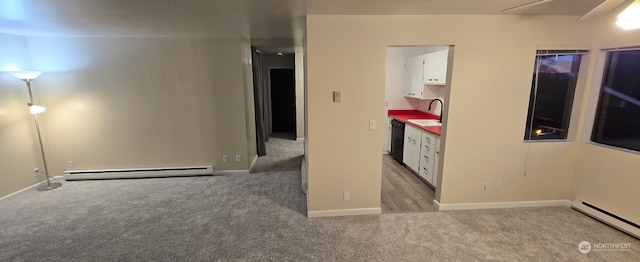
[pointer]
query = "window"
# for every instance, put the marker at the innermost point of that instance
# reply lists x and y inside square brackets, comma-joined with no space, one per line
[555,75]
[617,120]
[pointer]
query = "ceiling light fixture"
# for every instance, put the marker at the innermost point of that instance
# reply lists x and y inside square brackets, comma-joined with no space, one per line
[629,19]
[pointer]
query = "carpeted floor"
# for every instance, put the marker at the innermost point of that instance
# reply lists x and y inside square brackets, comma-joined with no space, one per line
[260,216]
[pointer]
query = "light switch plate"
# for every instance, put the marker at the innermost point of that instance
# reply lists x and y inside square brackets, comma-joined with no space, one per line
[372,124]
[337,96]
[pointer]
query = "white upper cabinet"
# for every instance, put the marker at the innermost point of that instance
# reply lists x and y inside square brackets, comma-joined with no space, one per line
[435,69]
[414,76]
[428,69]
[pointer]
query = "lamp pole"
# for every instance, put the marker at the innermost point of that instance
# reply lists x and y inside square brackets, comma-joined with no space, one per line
[35,118]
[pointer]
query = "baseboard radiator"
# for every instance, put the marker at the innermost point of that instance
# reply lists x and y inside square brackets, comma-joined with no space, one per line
[607,217]
[138,173]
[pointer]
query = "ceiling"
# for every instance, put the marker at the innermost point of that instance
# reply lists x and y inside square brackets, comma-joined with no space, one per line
[273,24]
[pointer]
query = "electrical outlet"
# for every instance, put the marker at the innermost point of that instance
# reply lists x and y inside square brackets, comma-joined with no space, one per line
[69,165]
[238,158]
[485,187]
[498,186]
[346,196]
[225,158]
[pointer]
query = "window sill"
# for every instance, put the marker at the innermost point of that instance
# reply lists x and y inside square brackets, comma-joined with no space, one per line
[548,141]
[625,150]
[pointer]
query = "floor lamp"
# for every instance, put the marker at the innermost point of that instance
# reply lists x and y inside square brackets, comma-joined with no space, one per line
[27,77]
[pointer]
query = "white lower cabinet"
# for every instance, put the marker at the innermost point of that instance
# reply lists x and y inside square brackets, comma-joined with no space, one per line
[387,136]
[422,153]
[427,156]
[411,151]
[436,163]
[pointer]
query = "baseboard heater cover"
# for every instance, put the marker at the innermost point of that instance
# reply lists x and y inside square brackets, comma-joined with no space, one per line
[607,217]
[138,173]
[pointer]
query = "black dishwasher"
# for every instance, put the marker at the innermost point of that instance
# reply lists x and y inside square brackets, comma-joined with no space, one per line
[397,140]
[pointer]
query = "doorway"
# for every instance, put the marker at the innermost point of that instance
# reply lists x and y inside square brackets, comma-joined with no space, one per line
[415,77]
[283,102]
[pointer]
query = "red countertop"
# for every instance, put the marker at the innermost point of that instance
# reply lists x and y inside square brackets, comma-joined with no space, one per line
[405,115]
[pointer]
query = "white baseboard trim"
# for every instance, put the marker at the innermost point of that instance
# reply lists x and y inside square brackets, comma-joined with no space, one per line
[345,212]
[301,139]
[253,162]
[493,205]
[20,191]
[30,187]
[230,172]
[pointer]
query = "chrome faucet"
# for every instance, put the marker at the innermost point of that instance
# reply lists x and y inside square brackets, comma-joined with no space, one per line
[441,106]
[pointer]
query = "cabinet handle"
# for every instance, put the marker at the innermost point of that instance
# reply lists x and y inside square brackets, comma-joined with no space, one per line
[436,79]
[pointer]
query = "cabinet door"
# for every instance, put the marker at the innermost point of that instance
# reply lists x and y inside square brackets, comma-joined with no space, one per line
[440,60]
[414,67]
[406,150]
[435,170]
[436,163]
[411,152]
[387,136]
[426,166]
[427,153]
[429,67]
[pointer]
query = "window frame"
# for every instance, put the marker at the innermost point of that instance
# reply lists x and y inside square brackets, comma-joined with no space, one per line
[595,98]
[578,96]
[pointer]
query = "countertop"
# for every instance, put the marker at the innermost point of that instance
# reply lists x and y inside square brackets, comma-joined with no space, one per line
[405,115]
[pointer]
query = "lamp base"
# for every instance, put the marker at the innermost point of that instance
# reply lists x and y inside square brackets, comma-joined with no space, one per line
[51,185]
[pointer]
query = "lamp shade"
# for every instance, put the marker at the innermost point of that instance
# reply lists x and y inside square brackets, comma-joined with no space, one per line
[36,109]
[25,74]
[629,19]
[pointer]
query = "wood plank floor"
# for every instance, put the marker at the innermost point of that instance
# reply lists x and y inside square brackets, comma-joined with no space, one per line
[402,191]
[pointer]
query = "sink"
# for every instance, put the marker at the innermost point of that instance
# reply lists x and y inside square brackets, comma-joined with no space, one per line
[426,122]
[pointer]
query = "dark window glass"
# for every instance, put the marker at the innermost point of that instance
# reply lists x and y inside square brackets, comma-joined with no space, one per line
[617,120]
[551,100]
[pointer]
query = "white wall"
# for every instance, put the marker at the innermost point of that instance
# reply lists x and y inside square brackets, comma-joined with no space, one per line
[14,54]
[131,102]
[299,65]
[249,102]
[19,151]
[491,76]
[606,177]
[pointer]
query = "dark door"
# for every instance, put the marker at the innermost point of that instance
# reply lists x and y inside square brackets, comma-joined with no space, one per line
[283,100]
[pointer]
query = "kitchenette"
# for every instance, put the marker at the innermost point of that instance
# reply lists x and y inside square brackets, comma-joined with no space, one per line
[415,142]
[415,97]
